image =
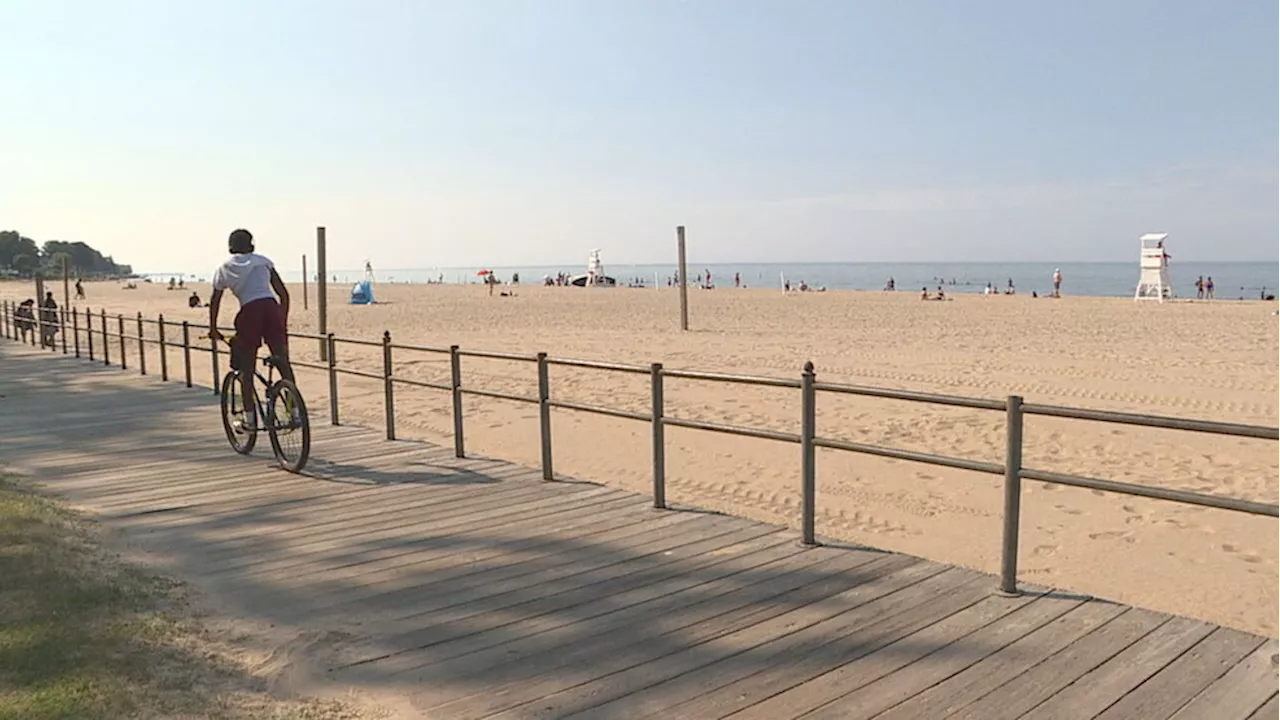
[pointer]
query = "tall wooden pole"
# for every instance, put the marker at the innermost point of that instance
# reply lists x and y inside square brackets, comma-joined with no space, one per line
[66,284]
[304,281]
[684,280]
[322,300]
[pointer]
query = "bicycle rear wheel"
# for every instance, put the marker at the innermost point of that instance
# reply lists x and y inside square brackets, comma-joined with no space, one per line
[242,441]
[288,425]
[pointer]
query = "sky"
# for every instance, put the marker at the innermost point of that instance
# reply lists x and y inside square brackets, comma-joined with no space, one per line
[426,133]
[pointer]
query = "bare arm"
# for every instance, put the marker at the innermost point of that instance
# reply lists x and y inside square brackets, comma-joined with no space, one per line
[281,291]
[215,304]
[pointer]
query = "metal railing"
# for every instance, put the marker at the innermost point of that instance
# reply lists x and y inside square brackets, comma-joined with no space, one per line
[1013,407]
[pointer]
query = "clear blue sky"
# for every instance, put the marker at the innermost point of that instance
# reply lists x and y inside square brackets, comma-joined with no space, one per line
[522,132]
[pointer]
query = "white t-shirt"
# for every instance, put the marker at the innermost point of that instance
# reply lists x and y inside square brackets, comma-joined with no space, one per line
[247,276]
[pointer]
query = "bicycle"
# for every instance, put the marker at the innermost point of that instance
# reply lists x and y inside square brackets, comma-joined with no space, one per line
[284,417]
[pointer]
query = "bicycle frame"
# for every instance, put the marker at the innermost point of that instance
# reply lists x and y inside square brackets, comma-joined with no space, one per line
[264,382]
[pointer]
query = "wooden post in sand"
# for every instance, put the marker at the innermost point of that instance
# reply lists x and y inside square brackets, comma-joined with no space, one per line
[66,284]
[304,281]
[684,280]
[322,305]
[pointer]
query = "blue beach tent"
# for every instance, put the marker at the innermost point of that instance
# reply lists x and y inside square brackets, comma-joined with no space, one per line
[362,293]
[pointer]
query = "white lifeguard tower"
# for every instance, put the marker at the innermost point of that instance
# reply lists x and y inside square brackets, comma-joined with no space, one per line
[595,276]
[1153,267]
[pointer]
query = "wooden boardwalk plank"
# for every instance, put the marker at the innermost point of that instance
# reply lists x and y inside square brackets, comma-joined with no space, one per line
[1269,710]
[843,638]
[334,531]
[868,681]
[862,604]
[976,681]
[712,616]
[1030,688]
[476,589]
[1104,685]
[381,575]
[1170,688]
[500,588]
[457,564]
[338,533]
[558,609]
[507,655]
[1239,691]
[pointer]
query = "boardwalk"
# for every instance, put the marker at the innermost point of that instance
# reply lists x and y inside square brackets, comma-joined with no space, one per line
[472,589]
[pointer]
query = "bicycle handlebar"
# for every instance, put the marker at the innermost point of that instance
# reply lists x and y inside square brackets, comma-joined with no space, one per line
[225,338]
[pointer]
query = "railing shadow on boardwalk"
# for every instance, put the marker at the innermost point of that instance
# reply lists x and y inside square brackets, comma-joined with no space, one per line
[279,597]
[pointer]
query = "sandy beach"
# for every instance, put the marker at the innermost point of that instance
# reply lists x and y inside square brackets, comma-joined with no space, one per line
[1214,361]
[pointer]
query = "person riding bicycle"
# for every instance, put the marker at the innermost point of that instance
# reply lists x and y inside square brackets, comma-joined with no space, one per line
[252,278]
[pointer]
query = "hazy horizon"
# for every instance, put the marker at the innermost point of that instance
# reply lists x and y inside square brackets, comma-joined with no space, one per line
[504,133]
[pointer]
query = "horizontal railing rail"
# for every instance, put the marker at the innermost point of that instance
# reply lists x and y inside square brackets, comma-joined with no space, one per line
[105,335]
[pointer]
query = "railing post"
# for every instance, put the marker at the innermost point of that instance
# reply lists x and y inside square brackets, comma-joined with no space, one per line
[142,348]
[331,356]
[186,350]
[213,358]
[388,385]
[659,438]
[455,376]
[124,354]
[75,329]
[62,325]
[88,330]
[544,416]
[106,340]
[4,322]
[164,355]
[1012,496]
[808,420]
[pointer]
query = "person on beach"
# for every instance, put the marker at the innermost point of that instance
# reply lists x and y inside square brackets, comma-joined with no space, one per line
[1208,288]
[1200,288]
[252,278]
[79,290]
[48,320]
[24,318]
[1057,282]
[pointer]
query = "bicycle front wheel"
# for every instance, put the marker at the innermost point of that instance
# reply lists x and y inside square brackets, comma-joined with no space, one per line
[288,425]
[233,419]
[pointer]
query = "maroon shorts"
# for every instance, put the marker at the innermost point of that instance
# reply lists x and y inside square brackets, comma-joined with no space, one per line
[260,321]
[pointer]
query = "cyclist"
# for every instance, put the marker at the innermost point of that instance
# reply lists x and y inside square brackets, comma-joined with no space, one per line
[252,278]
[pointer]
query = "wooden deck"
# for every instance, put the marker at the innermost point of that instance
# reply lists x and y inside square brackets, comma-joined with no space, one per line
[473,589]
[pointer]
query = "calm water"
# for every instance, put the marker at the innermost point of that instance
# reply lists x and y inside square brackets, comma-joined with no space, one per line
[1231,279]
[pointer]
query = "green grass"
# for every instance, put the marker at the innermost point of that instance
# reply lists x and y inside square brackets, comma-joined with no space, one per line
[84,635]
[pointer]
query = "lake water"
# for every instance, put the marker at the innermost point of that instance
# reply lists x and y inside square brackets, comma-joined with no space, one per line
[1232,280]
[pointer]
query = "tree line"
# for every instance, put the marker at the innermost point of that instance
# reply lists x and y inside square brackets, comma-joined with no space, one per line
[20,256]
